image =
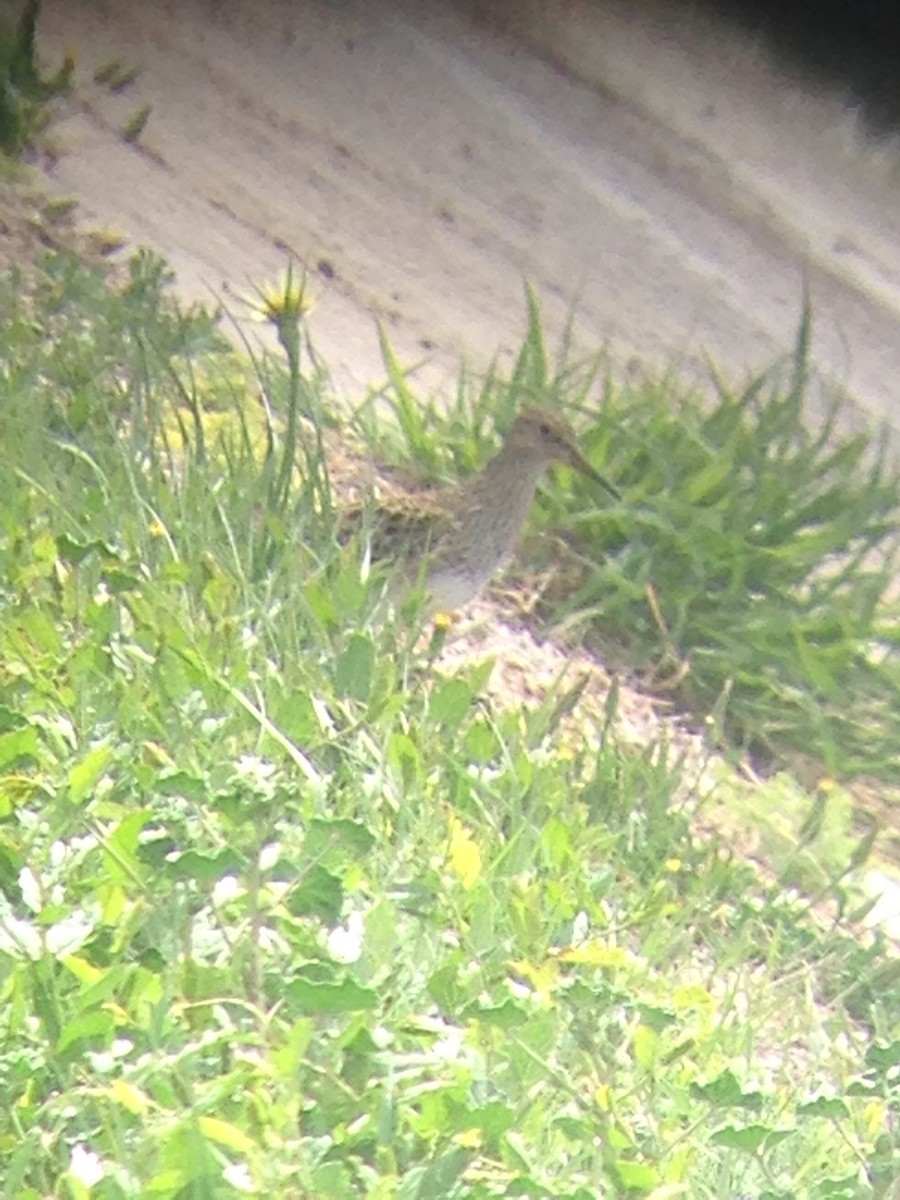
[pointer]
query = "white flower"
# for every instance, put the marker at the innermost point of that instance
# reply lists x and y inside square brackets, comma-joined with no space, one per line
[86,1166]
[345,943]
[239,1177]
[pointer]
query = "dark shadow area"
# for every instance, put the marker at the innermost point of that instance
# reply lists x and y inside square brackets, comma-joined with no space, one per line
[849,42]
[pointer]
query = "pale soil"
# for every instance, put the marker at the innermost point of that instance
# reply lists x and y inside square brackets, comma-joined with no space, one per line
[421,163]
[31,223]
[668,184]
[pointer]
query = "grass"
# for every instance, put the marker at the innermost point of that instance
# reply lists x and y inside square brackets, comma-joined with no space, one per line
[750,563]
[24,91]
[286,910]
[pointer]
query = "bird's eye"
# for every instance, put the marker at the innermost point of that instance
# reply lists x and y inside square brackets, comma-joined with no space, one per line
[545,430]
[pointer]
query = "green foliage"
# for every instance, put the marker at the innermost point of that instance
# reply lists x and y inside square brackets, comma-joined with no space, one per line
[24,92]
[283,911]
[770,543]
[750,565]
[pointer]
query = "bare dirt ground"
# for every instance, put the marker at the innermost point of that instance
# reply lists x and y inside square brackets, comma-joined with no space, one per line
[656,174]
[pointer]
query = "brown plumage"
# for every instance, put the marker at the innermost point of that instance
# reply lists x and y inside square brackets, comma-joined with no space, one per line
[465,532]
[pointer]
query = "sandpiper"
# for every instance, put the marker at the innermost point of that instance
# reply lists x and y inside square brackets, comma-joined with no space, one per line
[455,538]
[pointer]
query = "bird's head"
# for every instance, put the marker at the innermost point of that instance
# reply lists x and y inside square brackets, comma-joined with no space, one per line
[544,433]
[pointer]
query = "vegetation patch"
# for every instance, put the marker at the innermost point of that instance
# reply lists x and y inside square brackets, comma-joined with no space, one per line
[24,91]
[286,911]
[749,571]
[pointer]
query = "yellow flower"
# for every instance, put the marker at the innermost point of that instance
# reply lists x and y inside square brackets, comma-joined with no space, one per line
[283,302]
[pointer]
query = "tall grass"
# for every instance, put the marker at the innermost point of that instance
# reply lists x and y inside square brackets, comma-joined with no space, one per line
[749,570]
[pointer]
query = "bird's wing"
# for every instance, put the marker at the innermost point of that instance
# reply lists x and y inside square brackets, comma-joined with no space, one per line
[402,523]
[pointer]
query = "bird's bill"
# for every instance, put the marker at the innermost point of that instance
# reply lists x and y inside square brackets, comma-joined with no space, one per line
[580,463]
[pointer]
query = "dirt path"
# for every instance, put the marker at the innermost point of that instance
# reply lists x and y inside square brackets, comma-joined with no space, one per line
[422,164]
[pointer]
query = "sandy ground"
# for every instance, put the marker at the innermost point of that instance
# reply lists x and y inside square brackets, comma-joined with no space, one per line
[655,174]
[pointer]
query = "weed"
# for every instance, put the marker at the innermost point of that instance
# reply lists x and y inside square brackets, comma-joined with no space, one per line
[24,92]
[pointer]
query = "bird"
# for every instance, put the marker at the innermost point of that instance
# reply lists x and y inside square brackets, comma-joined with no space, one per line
[450,541]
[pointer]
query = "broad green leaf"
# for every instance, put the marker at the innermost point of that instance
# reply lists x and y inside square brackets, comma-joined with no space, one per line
[440,1176]
[95,1028]
[450,702]
[637,1175]
[353,673]
[749,1138]
[824,1106]
[507,1015]
[331,998]
[324,836]
[725,1091]
[18,745]
[85,774]
[204,868]
[319,894]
